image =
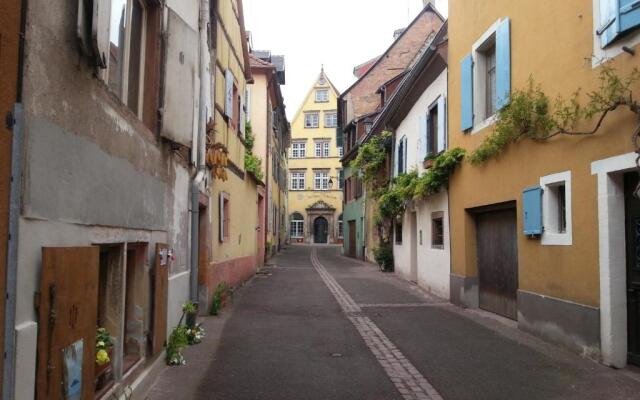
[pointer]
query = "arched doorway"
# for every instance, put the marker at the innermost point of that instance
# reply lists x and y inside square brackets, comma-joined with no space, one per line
[320,230]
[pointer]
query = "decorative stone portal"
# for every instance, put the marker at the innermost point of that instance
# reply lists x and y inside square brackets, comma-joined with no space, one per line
[321,220]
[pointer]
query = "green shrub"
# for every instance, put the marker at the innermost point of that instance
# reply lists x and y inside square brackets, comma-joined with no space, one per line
[383,255]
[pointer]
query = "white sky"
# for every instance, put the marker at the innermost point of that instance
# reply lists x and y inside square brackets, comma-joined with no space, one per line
[337,33]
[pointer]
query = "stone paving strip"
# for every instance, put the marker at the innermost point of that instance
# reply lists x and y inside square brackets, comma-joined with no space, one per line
[407,379]
[401,305]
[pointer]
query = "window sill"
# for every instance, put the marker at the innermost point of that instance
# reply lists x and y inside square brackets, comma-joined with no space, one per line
[437,246]
[484,124]
[556,239]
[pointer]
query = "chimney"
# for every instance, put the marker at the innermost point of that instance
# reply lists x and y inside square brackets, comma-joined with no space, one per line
[397,33]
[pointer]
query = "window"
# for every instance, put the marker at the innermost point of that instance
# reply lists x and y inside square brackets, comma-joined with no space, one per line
[322,96]
[367,127]
[556,209]
[330,119]
[321,180]
[297,225]
[340,226]
[225,217]
[340,151]
[437,230]
[311,120]
[612,18]
[341,179]
[401,156]
[297,180]
[322,149]
[432,130]
[398,232]
[298,150]
[435,136]
[486,77]
[125,74]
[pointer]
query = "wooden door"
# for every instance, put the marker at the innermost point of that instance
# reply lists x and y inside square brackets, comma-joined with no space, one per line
[160,293]
[496,235]
[352,239]
[632,232]
[320,230]
[261,231]
[67,313]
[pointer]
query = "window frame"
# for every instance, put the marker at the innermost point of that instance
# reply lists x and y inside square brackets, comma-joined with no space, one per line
[315,122]
[123,96]
[224,231]
[551,234]
[299,227]
[300,147]
[322,99]
[333,115]
[437,218]
[298,179]
[321,180]
[614,48]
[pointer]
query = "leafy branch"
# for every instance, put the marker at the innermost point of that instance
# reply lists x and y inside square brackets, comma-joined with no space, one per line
[252,163]
[531,113]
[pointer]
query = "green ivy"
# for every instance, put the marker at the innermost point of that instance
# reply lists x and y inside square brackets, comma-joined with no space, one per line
[252,163]
[532,114]
[383,254]
[371,158]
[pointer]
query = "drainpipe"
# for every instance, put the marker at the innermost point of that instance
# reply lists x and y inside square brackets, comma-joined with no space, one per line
[17,144]
[201,170]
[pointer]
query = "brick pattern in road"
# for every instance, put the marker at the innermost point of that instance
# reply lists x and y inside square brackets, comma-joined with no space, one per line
[407,379]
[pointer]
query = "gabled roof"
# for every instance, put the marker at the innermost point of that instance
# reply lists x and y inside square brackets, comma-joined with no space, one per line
[428,8]
[315,84]
[245,44]
[409,82]
[363,68]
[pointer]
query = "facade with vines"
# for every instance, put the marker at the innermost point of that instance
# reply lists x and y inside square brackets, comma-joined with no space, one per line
[544,219]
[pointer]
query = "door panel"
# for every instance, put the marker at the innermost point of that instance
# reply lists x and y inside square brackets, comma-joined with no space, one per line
[632,231]
[320,230]
[67,312]
[160,295]
[352,239]
[496,235]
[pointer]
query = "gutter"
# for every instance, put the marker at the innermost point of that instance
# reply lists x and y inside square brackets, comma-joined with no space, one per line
[17,144]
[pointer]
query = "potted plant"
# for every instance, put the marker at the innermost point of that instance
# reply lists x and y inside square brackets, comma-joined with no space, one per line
[429,160]
[190,310]
[383,255]
[104,350]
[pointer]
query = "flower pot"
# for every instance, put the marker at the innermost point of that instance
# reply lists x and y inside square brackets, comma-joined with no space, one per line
[427,163]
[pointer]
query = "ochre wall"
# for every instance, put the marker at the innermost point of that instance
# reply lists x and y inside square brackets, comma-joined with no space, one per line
[551,41]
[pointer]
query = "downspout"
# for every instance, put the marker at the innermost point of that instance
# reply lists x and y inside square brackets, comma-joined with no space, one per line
[267,253]
[200,175]
[17,144]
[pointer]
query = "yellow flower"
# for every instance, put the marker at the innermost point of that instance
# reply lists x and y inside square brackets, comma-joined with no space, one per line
[102,357]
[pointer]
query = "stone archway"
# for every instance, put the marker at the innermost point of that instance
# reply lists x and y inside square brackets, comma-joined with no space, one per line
[320,209]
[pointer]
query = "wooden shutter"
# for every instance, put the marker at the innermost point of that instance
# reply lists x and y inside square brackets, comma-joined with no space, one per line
[532,209]
[228,93]
[609,24]
[503,64]
[243,115]
[339,137]
[442,125]
[424,137]
[404,159]
[180,80]
[466,93]
[160,296]
[67,313]
[101,22]
[629,14]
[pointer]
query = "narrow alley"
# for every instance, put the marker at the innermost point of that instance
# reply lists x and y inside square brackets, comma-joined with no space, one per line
[317,325]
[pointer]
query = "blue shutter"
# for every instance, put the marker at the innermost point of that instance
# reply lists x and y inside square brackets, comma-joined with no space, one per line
[609,24]
[503,64]
[442,131]
[629,14]
[532,208]
[228,100]
[423,138]
[466,95]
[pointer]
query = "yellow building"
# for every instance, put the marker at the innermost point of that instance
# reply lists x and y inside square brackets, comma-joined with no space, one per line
[236,198]
[315,174]
[566,275]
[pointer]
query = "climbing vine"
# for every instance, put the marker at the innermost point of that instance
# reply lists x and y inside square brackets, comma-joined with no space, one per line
[532,114]
[371,158]
[252,163]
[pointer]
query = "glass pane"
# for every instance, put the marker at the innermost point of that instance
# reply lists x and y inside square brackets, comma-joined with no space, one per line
[117,38]
[135,51]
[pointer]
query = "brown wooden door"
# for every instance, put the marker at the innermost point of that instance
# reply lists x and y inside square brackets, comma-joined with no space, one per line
[632,229]
[496,235]
[67,312]
[352,239]
[160,292]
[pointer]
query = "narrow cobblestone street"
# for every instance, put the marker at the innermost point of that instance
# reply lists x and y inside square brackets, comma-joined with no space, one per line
[321,326]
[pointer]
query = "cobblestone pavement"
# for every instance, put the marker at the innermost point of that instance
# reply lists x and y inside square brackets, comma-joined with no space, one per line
[322,326]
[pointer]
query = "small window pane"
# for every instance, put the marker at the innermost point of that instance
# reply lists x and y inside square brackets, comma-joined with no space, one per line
[135,52]
[117,39]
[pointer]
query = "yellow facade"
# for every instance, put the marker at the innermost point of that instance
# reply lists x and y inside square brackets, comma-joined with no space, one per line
[233,234]
[551,41]
[317,202]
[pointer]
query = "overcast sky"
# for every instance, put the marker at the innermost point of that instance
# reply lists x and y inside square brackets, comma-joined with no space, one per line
[337,33]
